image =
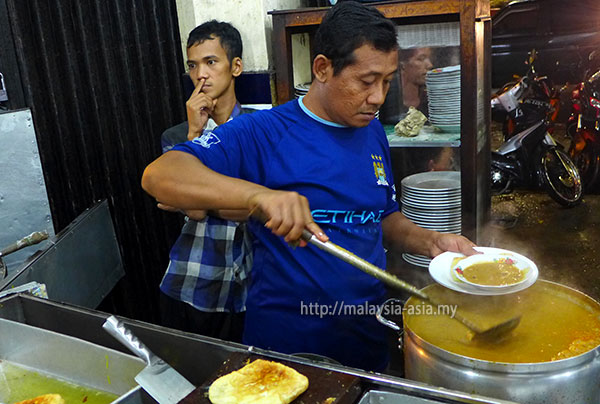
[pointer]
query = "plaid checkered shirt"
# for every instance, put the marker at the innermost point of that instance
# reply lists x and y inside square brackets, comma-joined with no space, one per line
[211,260]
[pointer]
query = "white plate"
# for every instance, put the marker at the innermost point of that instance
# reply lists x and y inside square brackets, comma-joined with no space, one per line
[433,201]
[433,180]
[430,207]
[449,128]
[431,217]
[440,212]
[428,221]
[423,193]
[440,270]
[438,226]
[422,223]
[444,108]
[446,69]
[442,196]
[417,260]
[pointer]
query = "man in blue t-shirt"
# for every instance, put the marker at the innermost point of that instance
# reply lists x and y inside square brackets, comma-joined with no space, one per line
[319,163]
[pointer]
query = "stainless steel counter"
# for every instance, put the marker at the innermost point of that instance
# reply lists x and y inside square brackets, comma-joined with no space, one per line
[195,356]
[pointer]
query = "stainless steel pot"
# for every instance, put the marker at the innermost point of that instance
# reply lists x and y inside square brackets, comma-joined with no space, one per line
[569,381]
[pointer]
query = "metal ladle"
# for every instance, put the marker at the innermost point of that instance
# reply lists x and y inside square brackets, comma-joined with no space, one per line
[494,331]
[33,238]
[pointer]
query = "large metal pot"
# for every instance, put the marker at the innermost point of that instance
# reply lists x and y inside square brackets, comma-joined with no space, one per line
[572,380]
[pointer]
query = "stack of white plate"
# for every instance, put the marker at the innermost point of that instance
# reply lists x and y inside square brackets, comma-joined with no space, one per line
[301,89]
[443,94]
[432,201]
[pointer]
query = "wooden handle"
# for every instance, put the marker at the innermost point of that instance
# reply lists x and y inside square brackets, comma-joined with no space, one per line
[32,239]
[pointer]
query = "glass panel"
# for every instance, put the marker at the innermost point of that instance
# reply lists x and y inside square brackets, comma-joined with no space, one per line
[567,18]
[426,89]
[521,21]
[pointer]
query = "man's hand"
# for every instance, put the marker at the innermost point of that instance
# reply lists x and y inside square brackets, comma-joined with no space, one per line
[286,214]
[196,214]
[198,106]
[401,233]
[451,242]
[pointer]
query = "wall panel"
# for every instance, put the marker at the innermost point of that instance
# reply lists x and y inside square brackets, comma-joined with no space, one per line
[102,78]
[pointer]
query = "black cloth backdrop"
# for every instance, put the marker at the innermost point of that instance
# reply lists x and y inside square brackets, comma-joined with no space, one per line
[102,78]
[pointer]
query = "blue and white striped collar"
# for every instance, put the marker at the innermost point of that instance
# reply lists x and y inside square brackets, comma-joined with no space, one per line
[317,118]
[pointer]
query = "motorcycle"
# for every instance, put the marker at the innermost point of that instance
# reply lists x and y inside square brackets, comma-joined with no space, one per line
[530,157]
[538,98]
[583,126]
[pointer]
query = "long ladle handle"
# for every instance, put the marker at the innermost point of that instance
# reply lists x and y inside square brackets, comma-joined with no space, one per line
[394,282]
[378,273]
[362,264]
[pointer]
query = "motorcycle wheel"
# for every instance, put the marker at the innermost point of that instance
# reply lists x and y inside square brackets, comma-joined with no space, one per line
[587,160]
[560,177]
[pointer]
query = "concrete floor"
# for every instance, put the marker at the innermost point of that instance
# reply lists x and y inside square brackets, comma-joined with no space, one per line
[563,242]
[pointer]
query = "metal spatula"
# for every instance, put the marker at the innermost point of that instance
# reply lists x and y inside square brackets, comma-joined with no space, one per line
[494,331]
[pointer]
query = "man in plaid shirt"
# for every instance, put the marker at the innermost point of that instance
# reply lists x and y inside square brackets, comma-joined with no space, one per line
[204,289]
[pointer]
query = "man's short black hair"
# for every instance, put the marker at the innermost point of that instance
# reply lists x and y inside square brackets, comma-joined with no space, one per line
[229,36]
[349,25]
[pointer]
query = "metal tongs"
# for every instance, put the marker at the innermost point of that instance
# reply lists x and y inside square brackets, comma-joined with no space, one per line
[491,332]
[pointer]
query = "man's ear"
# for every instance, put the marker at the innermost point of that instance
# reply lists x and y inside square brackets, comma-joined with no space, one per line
[237,66]
[322,68]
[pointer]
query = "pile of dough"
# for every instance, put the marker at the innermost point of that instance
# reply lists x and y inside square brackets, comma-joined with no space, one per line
[411,125]
[45,399]
[261,382]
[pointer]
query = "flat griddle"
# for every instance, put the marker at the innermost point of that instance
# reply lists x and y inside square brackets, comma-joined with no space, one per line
[324,386]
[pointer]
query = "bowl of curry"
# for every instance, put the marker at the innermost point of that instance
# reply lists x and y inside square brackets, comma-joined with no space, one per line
[492,270]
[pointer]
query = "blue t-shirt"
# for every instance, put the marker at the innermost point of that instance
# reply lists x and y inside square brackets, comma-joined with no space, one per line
[303,299]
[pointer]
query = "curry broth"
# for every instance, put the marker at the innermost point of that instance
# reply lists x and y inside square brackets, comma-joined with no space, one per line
[18,383]
[556,323]
[496,273]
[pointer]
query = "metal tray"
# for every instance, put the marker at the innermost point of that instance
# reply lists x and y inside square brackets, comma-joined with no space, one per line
[71,359]
[386,397]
